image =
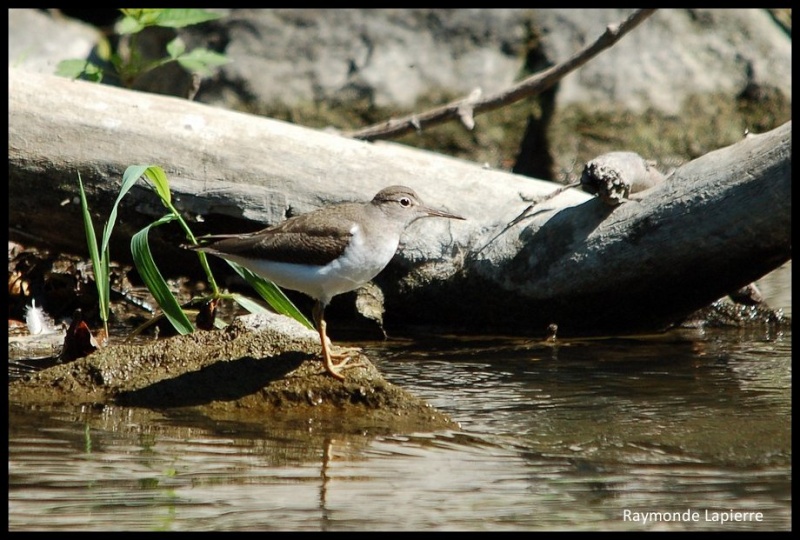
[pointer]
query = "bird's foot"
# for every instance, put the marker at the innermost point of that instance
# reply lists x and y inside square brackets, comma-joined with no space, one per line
[343,357]
[343,354]
[329,351]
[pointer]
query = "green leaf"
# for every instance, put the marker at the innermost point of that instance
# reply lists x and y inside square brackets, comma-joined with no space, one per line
[129,178]
[128,25]
[143,259]
[133,173]
[136,20]
[103,49]
[270,292]
[71,68]
[101,275]
[158,177]
[249,304]
[178,18]
[202,60]
[176,47]
[77,68]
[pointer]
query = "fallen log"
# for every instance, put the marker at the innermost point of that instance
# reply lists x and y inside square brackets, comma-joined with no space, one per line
[715,225]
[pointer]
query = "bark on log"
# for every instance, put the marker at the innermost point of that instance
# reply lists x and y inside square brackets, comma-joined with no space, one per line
[715,225]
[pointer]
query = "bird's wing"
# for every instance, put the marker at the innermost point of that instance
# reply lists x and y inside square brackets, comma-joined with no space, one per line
[301,239]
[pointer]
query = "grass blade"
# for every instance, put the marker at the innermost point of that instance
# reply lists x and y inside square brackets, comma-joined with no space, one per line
[100,267]
[249,304]
[129,178]
[143,259]
[159,179]
[274,296]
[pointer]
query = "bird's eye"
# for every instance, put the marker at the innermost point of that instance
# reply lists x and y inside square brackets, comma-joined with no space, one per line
[405,202]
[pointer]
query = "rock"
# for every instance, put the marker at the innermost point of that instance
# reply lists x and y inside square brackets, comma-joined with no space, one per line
[261,366]
[672,55]
[393,57]
[388,56]
[39,40]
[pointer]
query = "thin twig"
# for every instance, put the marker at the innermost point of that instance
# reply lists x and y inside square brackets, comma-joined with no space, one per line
[465,109]
[527,212]
[554,194]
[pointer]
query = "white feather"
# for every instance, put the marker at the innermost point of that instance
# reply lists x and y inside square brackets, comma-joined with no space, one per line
[37,320]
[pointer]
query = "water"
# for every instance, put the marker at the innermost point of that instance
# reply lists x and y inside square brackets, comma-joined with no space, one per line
[586,435]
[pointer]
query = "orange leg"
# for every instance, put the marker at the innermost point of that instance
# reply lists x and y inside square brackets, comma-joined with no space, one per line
[327,355]
[330,367]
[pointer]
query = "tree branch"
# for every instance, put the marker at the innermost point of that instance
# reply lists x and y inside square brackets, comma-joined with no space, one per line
[464,109]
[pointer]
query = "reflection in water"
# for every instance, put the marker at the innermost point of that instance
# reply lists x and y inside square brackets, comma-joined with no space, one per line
[555,436]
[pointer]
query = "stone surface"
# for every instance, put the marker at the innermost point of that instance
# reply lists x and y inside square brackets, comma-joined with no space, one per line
[392,57]
[260,366]
[673,54]
[38,40]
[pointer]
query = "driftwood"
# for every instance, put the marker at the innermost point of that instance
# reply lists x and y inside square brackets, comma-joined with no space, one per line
[716,224]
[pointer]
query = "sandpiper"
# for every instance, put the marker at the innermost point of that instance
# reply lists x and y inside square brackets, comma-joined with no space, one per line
[328,251]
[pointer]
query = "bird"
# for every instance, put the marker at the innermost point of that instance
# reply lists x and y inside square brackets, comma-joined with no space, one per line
[328,251]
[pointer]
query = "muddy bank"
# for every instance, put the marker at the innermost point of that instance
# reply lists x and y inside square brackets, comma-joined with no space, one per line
[260,367]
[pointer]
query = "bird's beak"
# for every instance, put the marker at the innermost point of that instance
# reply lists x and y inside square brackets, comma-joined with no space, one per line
[434,212]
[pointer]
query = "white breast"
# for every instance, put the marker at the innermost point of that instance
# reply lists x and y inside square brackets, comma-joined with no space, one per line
[358,264]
